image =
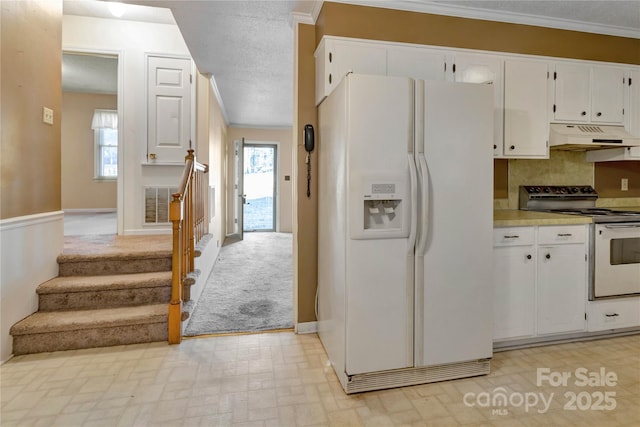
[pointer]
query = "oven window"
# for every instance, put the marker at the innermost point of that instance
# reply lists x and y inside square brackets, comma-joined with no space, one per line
[625,251]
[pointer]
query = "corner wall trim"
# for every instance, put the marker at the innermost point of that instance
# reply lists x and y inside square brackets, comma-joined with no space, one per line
[307,328]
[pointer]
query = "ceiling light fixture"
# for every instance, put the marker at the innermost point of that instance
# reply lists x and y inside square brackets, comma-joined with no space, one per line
[116,9]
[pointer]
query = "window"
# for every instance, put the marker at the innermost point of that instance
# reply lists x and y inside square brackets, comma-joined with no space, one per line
[105,130]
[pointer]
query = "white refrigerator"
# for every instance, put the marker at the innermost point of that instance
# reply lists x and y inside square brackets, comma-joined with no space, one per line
[405,219]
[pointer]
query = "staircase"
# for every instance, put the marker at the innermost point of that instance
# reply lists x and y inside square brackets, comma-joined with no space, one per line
[117,295]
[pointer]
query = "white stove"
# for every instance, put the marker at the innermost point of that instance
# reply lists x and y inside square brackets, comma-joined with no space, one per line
[614,241]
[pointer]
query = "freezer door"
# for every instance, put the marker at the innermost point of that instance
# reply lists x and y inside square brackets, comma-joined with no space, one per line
[379,282]
[454,289]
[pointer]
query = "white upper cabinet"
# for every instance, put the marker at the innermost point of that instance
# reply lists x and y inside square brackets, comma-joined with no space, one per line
[335,58]
[572,83]
[526,104]
[417,63]
[484,69]
[529,91]
[589,94]
[607,94]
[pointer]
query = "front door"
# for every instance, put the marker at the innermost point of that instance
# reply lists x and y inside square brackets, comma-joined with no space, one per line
[259,187]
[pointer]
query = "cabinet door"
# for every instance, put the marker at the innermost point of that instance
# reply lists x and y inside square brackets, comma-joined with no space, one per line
[359,58]
[526,104]
[633,89]
[562,284]
[417,63]
[484,70]
[514,292]
[572,88]
[607,94]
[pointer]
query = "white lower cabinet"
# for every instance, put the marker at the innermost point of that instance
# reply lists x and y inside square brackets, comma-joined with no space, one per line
[515,287]
[562,285]
[540,281]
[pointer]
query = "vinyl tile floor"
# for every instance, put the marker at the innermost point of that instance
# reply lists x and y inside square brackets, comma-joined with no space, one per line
[283,379]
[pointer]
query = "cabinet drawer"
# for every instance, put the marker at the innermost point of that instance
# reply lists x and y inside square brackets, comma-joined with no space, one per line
[513,236]
[556,235]
[613,314]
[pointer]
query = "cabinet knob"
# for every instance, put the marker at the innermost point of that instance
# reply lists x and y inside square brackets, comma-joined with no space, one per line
[330,57]
[330,78]
[495,146]
[529,256]
[598,114]
[584,113]
[548,256]
[513,147]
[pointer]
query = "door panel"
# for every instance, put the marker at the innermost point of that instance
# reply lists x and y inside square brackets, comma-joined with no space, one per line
[169,109]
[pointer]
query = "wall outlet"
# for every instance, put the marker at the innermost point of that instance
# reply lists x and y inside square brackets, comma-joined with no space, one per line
[47,115]
[624,184]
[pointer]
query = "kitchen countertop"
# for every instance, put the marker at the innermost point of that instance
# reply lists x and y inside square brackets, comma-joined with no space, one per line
[517,217]
[622,208]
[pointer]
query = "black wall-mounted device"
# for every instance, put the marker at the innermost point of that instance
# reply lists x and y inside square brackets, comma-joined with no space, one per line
[309,145]
[309,138]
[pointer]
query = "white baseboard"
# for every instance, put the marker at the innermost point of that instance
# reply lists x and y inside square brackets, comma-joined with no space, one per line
[89,211]
[307,328]
[147,232]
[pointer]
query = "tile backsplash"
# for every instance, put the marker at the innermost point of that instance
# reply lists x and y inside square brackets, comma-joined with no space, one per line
[562,168]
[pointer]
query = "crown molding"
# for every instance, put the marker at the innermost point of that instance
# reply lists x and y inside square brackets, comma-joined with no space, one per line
[499,16]
[301,18]
[216,92]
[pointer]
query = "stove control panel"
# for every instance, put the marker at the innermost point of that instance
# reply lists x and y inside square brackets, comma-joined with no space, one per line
[558,191]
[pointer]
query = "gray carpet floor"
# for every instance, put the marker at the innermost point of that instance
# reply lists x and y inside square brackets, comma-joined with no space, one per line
[249,289]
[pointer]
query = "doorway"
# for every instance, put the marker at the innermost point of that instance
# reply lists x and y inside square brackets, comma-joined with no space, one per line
[259,182]
[91,149]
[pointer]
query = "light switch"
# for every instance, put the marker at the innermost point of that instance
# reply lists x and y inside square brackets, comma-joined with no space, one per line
[47,115]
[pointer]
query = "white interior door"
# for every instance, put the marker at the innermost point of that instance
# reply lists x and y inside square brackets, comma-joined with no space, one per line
[238,188]
[169,109]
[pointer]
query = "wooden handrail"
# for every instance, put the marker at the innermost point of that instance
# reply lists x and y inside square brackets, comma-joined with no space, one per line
[189,222]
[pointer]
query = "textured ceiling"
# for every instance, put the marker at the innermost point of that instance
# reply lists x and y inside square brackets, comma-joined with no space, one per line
[247,46]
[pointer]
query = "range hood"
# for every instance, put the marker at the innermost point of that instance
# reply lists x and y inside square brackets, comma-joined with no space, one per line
[575,137]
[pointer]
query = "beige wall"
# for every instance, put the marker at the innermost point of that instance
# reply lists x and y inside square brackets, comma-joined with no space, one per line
[216,141]
[346,20]
[339,19]
[283,137]
[31,44]
[306,225]
[79,188]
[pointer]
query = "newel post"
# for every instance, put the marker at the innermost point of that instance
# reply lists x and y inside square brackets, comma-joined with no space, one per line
[175,305]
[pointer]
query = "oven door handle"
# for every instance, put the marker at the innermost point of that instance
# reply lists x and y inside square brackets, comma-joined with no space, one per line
[619,226]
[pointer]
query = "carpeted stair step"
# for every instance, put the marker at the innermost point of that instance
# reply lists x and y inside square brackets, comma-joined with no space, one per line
[95,292]
[70,330]
[117,263]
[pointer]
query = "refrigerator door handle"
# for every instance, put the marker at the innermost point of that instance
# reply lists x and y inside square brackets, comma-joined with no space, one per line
[413,173]
[423,170]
